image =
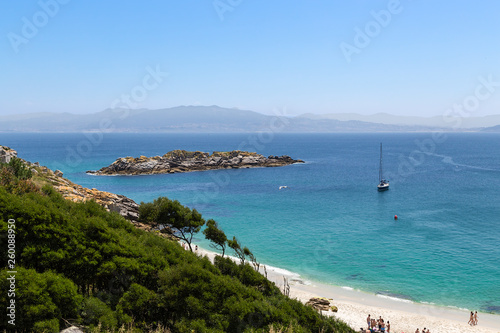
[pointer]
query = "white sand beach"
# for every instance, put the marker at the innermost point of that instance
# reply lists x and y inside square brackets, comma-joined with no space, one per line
[404,316]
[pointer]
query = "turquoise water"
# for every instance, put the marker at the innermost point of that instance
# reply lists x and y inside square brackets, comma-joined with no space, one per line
[330,225]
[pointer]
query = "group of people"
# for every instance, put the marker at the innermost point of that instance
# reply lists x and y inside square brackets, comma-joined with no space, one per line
[377,325]
[473,319]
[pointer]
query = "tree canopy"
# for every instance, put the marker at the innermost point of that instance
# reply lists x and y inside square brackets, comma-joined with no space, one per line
[163,212]
[238,250]
[216,235]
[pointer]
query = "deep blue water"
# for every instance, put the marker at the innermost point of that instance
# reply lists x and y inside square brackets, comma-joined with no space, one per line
[331,224]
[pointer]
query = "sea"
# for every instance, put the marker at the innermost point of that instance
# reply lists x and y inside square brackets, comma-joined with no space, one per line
[330,224]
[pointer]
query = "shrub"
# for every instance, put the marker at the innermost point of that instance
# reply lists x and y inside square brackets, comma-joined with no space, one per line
[95,312]
[19,168]
[46,326]
[42,299]
[140,303]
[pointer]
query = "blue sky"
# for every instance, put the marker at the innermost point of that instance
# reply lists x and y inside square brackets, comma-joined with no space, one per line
[259,55]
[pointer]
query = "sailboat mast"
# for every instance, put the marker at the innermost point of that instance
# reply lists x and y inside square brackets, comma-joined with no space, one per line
[383,184]
[380,169]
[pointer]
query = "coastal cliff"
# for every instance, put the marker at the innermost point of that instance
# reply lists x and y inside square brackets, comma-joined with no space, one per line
[186,161]
[121,204]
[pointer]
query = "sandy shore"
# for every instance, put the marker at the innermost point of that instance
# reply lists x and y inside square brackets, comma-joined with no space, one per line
[404,316]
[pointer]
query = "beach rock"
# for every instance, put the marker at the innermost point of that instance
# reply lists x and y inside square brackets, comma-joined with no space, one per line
[58,173]
[185,161]
[319,303]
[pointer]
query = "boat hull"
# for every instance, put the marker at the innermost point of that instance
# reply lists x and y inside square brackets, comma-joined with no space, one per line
[382,187]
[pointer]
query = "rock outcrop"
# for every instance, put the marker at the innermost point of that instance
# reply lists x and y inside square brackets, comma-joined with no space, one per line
[121,204]
[186,161]
[6,154]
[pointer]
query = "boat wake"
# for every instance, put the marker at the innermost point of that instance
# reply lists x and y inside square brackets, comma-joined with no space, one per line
[449,160]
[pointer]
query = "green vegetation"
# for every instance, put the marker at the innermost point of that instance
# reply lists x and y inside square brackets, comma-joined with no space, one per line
[184,154]
[77,262]
[183,221]
[15,175]
[18,168]
[214,234]
[239,251]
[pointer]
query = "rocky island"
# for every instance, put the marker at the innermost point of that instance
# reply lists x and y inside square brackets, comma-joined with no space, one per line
[186,161]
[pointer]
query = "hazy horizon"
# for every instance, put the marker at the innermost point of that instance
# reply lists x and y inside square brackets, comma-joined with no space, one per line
[405,58]
[278,111]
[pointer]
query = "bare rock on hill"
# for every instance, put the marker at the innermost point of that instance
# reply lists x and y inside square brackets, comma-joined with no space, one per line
[72,329]
[6,154]
[121,204]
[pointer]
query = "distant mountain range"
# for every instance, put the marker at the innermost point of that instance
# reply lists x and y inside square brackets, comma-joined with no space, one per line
[219,119]
[492,129]
[436,121]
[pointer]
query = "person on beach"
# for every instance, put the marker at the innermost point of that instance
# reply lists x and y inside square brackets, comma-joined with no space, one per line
[368,321]
[388,327]
[380,323]
[475,318]
[417,331]
[471,319]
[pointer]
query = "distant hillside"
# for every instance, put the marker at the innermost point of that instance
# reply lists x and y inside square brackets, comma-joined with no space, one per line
[182,118]
[492,129]
[219,119]
[436,121]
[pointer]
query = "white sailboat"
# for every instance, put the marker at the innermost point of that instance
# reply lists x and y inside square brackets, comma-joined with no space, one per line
[383,184]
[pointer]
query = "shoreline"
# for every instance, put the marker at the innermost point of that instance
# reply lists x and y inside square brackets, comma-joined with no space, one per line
[355,305]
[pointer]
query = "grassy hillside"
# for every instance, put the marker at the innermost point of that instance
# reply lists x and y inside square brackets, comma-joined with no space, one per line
[78,263]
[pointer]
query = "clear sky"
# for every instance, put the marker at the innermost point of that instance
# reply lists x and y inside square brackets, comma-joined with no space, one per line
[322,56]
